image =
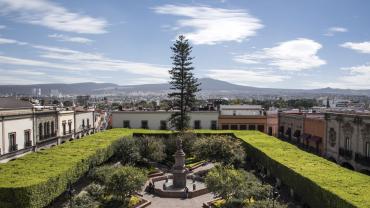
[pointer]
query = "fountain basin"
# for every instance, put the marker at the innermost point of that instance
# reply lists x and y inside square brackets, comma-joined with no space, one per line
[172,192]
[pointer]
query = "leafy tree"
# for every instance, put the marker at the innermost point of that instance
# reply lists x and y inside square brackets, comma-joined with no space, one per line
[183,83]
[221,149]
[151,148]
[236,185]
[127,151]
[125,181]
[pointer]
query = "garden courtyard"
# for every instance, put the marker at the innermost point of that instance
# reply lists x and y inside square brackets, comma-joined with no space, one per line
[144,168]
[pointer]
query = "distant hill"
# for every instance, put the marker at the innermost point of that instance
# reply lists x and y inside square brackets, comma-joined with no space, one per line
[209,86]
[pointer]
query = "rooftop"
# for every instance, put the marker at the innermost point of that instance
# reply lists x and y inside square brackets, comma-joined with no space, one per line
[13,103]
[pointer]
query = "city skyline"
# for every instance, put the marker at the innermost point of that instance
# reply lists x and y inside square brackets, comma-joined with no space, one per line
[309,44]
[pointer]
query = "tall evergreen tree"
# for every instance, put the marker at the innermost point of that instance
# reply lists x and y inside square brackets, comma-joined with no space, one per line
[183,84]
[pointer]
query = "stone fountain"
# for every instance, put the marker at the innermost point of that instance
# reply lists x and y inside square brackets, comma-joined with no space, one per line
[173,185]
[179,171]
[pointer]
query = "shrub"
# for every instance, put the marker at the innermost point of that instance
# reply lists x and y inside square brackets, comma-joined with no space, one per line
[151,148]
[96,191]
[128,151]
[125,181]
[221,149]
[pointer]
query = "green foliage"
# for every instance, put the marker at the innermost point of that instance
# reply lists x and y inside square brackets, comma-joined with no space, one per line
[134,201]
[151,148]
[232,184]
[83,201]
[226,182]
[124,181]
[221,149]
[319,182]
[36,179]
[128,151]
[183,83]
[96,191]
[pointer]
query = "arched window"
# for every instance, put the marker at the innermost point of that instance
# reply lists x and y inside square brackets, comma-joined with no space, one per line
[83,123]
[45,129]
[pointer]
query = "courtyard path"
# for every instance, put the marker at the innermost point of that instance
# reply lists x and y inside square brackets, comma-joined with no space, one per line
[196,202]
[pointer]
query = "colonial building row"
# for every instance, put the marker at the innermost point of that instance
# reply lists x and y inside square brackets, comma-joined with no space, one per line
[342,137]
[235,117]
[24,128]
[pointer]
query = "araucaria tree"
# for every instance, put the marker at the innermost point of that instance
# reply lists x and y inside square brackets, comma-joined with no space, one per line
[183,84]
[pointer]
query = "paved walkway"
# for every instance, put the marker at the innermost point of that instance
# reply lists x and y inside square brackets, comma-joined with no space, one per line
[196,202]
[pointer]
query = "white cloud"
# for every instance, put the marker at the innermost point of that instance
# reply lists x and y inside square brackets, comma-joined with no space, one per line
[213,25]
[2,27]
[246,77]
[66,38]
[363,47]
[30,62]
[51,15]
[22,72]
[331,31]
[355,77]
[11,41]
[293,55]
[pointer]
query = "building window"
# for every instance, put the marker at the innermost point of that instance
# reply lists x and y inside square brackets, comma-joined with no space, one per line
[163,125]
[52,128]
[225,127]
[144,124]
[213,125]
[270,131]
[234,112]
[197,124]
[64,127]
[45,129]
[252,127]
[243,127]
[88,123]
[261,128]
[234,127]
[40,131]
[48,129]
[70,126]
[347,144]
[83,123]
[12,142]
[367,149]
[126,124]
[27,138]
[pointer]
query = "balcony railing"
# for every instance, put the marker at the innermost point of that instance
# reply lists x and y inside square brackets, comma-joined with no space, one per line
[13,148]
[347,154]
[28,143]
[363,160]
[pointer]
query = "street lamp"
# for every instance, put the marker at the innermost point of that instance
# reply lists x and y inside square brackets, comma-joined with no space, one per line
[70,192]
[274,195]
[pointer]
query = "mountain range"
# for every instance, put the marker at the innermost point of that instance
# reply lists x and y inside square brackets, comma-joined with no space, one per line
[209,87]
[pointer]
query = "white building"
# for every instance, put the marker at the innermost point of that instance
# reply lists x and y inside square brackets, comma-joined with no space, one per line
[65,125]
[84,123]
[159,119]
[16,128]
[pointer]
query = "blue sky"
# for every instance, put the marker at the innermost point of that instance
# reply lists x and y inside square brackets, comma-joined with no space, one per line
[280,43]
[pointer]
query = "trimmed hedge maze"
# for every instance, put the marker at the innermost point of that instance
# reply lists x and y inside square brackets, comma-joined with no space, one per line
[36,179]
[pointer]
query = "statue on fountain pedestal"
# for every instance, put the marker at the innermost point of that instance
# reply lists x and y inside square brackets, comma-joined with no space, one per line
[178,170]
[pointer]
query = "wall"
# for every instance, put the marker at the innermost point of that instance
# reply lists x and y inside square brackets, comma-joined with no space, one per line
[18,126]
[315,126]
[43,117]
[65,116]
[154,118]
[80,116]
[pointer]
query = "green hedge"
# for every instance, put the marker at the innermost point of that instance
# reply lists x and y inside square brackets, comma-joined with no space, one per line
[319,182]
[36,179]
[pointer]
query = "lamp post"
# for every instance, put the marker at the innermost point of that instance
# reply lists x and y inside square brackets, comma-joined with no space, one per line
[70,192]
[274,195]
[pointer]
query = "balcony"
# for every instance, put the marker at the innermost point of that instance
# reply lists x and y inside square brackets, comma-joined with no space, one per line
[28,143]
[347,154]
[363,160]
[13,148]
